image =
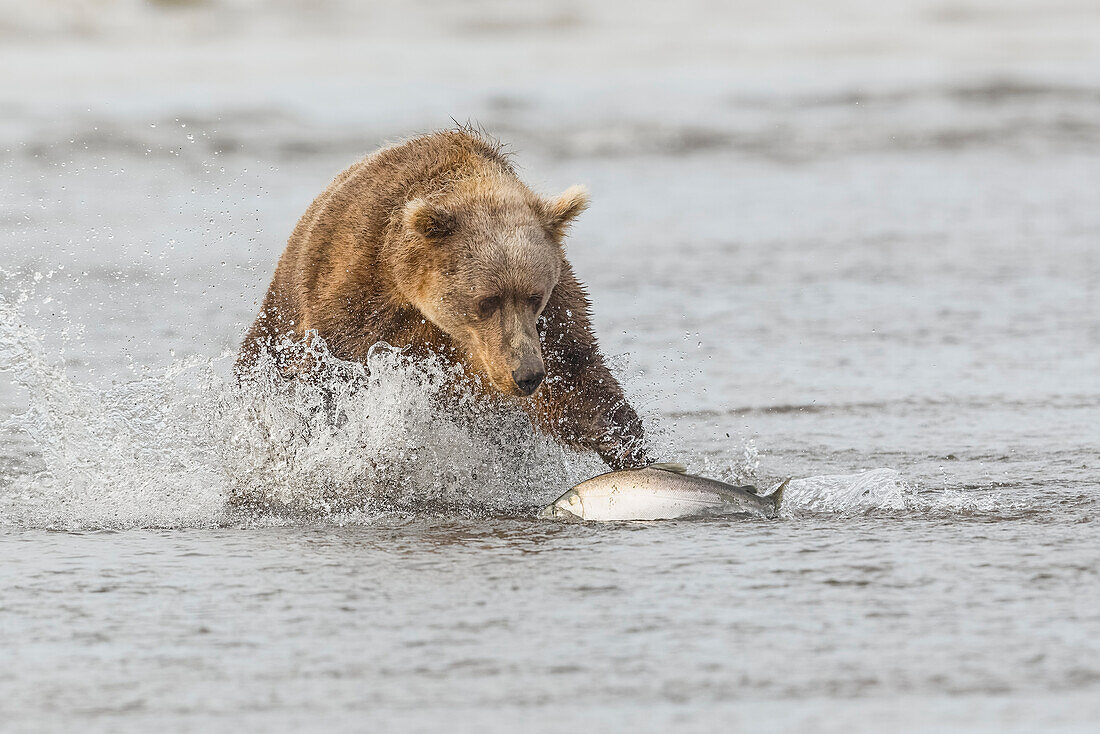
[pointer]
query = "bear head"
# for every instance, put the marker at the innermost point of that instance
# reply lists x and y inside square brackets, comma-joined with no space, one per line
[480,260]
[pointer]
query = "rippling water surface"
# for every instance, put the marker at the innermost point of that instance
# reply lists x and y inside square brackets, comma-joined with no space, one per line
[857,249]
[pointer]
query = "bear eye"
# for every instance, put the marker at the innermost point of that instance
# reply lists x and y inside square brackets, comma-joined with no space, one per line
[535,302]
[488,306]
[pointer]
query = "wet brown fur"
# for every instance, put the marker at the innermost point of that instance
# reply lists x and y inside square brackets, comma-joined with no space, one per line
[410,245]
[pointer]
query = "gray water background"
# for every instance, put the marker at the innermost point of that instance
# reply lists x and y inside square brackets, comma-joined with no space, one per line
[823,242]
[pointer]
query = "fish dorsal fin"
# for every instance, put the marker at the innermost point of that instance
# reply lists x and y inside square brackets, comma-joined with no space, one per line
[670,467]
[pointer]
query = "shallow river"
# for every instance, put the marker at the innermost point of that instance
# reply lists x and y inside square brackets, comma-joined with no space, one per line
[846,265]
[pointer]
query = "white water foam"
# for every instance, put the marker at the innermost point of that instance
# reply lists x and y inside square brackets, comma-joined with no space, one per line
[188,446]
[115,458]
[833,494]
[885,489]
[876,489]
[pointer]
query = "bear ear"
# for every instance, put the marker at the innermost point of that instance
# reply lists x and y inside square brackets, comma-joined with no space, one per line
[428,220]
[561,212]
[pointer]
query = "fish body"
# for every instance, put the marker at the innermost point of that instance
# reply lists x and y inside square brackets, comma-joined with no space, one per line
[659,493]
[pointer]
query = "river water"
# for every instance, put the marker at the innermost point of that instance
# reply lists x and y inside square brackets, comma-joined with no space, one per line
[858,247]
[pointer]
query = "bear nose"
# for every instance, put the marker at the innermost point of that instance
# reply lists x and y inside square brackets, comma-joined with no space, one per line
[528,380]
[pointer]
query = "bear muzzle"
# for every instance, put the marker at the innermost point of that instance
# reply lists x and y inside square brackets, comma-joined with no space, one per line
[528,380]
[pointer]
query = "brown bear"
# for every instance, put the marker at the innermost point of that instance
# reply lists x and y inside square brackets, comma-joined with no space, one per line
[436,246]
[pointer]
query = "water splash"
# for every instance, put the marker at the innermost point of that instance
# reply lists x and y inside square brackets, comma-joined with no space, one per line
[390,434]
[112,458]
[188,446]
[877,489]
[886,490]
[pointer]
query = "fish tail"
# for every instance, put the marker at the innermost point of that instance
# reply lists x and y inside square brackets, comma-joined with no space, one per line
[776,495]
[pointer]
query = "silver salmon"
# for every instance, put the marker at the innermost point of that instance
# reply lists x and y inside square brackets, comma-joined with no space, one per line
[659,492]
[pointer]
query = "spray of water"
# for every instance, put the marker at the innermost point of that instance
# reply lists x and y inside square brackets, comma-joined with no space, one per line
[189,446]
[877,489]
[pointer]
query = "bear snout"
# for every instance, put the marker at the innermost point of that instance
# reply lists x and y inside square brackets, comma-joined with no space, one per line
[528,379]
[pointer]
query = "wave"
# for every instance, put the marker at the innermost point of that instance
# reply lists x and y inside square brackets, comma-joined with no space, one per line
[876,489]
